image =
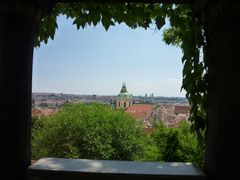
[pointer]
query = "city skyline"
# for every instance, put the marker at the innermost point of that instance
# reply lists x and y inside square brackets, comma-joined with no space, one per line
[93,61]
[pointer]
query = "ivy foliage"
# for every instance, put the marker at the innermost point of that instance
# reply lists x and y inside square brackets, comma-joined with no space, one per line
[184,31]
[133,15]
[187,33]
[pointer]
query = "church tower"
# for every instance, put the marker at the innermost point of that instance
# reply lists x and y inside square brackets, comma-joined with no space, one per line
[124,99]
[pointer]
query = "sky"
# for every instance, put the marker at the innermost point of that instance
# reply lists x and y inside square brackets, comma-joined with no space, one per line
[95,61]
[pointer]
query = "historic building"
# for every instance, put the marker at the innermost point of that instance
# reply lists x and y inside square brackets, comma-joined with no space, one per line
[124,99]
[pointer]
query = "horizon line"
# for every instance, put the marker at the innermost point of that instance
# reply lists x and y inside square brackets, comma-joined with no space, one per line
[105,94]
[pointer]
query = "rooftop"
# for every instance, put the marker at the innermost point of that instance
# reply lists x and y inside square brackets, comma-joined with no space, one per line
[140,111]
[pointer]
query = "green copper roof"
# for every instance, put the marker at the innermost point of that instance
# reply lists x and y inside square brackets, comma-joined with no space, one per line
[124,93]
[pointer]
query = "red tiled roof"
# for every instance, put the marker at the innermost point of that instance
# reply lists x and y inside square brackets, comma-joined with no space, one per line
[43,112]
[140,111]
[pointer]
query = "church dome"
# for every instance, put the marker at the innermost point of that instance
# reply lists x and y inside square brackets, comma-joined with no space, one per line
[124,93]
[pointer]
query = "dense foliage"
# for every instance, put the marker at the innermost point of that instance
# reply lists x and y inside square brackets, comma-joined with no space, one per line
[96,131]
[185,31]
[178,144]
[92,131]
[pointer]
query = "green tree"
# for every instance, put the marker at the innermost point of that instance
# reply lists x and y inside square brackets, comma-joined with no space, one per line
[178,144]
[92,131]
[37,122]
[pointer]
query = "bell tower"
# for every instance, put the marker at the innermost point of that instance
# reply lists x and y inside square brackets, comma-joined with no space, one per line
[124,99]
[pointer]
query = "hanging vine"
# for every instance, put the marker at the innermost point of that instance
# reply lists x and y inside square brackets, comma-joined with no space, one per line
[187,33]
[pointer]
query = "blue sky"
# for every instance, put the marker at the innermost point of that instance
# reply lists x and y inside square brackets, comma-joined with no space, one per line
[93,61]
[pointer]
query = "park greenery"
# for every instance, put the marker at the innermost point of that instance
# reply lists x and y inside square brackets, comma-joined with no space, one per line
[98,131]
[185,31]
[91,131]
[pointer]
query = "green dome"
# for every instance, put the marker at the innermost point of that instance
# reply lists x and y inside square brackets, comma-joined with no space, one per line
[124,93]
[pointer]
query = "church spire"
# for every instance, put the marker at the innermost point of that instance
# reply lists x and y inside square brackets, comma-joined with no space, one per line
[124,88]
